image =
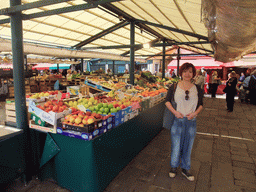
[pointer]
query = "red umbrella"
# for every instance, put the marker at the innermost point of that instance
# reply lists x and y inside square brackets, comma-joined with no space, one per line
[42,66]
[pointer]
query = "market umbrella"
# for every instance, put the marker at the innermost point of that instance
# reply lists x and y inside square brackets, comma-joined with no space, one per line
[198,63]
[61,66]
[42,66]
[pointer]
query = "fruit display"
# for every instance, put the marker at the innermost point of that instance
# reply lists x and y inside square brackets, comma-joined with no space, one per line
[147,93]
[53,105]
[149,77]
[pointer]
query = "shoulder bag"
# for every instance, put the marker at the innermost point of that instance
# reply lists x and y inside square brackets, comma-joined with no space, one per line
[168,118]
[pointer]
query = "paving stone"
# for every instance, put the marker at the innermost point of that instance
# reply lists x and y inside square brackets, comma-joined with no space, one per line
[154,188]
[244,174]
[244,165]
[245,184]
[222,177]
[241,153]
[203,177]
[222,144]
[205,146]
[221,156]
[240,145]
[234,133]
[203,156]
[251,147]
[242,158]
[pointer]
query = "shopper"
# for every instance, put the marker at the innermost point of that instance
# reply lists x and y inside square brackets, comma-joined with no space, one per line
[215,83]
[242,77]
[200,79]
[252,88]
[189,100]
[230,91]
[159,74]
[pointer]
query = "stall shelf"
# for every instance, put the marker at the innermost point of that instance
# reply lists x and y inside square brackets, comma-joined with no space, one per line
[91,165]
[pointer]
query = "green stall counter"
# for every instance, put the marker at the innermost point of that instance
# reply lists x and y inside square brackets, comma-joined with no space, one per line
[82,166]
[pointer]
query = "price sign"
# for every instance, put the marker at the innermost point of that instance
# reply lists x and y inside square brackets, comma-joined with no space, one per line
[59,95]
[81,108]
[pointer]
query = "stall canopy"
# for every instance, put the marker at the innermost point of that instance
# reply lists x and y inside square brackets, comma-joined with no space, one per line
[6,66]
[198,63]
[61,66]
[42,66]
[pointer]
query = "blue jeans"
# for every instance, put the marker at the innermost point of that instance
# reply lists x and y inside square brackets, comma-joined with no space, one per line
[183,133]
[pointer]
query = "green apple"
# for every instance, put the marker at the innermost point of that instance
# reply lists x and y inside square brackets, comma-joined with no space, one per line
[90,103]
[113,110]
[106,110]
[118,108]
[100,105]
[104,113]
[96,108]
[105,105]
[110,106]
[91,108]
[91,99]
[102,109]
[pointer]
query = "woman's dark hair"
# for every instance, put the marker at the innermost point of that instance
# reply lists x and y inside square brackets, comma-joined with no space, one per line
[186,66]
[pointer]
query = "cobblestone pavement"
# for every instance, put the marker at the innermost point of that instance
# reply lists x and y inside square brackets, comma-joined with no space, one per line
[223,157]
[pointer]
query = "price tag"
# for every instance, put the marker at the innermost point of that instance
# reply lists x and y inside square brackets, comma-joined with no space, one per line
[81,108]
[59,95]
[90,94]
[80,95]
[121,95]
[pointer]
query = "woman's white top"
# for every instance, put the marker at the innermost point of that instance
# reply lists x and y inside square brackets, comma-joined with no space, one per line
[186,106]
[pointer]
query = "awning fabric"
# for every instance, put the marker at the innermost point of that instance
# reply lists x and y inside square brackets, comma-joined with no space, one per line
[61,66]
[6,66]
[198,63]
[42,66]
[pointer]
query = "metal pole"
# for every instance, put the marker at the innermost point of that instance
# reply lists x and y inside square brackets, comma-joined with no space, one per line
[19,83]
[82,65]
[113,68]
[178,62]
[26,62]
[132,37]
[163,63]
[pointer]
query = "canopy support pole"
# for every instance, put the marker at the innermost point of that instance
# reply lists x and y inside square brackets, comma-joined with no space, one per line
[82,65]
[113,68]
[132,39]
[163,63]
[19,85]
[178,62]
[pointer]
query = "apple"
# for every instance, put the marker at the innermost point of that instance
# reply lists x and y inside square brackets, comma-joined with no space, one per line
[72,119]
[46,105]
[93,114]
[78,120]
[110,106]
[27,96]
[60,103]
[55,108]
[91,100]
[84,121]
[116,105]
[88,113]
[113,110]
[105,105]
[118,108]
[91,117]
[100,105]
[106,110]
[90,121]
[81,125]
[81,114]
[60,110]
[98,116]
[96,108]
[102,109]
[91,108]
[51,107]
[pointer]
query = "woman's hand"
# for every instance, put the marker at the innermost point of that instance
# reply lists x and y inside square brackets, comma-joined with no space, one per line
[178,115]
[191,116]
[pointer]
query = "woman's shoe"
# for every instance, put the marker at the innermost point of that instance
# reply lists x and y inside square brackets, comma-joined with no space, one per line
[173,172]
[230,111]
[188,175]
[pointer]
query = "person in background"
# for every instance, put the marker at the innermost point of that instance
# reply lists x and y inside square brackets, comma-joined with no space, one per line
[109,72]
[215,83]
[242,77]
[173,74]
[252,88]
[126,71]
[159,74]
[167,74]
[231,91]
[200,79]
[69,75]
[189,99]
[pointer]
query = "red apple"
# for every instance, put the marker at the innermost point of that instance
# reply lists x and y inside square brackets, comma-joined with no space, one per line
[60,103]
[72,119]
[88,113]
[93,114]
[51,107]
[81,114]
[84,121]
[78,120]
[90,121]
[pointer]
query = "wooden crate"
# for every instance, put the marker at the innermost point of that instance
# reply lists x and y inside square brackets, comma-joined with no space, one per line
[11,112]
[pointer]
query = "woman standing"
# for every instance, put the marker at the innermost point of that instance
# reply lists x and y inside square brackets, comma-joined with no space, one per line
[189,100]
[230,91]
[215,84]
[199,80]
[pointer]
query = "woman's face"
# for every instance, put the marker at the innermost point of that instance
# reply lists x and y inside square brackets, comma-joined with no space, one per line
[187,74]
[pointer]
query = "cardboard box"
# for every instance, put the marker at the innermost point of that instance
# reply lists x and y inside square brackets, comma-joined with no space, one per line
[49,117]
[88,132]
[50,128]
